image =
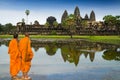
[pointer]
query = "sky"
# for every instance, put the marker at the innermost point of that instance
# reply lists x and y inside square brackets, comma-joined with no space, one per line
[13,11]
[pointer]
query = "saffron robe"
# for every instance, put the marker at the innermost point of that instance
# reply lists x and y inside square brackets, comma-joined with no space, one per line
[15,60]
[25,49]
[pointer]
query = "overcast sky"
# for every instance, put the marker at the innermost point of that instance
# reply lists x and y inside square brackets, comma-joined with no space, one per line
[12,11]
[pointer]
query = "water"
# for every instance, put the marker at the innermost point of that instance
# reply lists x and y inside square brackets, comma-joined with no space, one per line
[68,60]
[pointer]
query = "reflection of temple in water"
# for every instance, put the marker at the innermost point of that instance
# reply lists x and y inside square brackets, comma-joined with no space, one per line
[72,50]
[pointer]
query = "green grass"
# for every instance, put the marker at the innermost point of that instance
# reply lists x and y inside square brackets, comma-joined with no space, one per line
[106,39]
[102,39]
[59,36]
[10,36]
[50,36]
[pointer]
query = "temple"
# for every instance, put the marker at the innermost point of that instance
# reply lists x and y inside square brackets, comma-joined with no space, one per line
[84,25]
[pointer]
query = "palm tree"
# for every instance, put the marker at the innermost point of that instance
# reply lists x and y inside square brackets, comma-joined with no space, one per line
[23,20]
[27,12]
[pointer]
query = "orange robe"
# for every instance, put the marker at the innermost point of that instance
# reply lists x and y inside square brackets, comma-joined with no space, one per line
[25,49]
[15,60]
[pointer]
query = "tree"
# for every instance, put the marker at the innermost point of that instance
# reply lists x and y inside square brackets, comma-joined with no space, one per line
[47,24]
[23,20]
[69,53]
[51,49]
[9,28]
[111,55]
[50,20]
[112,21]
[109,20]
[55,23]
[84,23]
[70,23]
[27,12]
[1,27]
[36,23]
[118,24]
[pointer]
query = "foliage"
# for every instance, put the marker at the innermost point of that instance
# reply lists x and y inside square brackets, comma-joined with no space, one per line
[70,23]
[27,12]
[50,20]
[53,32]
[47,24]
[7,27]
[118,21]
[84,23]
[1,27]
[112,20]
[109,20]
[23,20]
[69,53]
[51,49]
[55,23]
[36,22]
[111,55]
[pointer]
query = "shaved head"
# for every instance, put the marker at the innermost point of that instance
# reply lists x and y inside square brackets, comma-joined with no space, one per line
[26,34]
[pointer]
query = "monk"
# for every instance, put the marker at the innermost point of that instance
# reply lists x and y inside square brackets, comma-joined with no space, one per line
[27,55]
[15,57]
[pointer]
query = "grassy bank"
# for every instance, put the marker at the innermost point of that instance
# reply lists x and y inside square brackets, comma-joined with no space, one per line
[46,36]
[106,39]
[103,39]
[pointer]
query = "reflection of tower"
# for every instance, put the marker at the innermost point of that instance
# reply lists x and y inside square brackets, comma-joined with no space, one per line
[64,52]
[77,58]
[86,54]
[70,54]
[92,56]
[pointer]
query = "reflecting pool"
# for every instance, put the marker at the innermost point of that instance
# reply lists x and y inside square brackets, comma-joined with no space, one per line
[68,60]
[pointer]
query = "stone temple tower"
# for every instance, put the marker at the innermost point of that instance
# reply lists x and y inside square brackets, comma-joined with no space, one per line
[77,12]
[92,16]
[77,15]
[86,17]
[64,16]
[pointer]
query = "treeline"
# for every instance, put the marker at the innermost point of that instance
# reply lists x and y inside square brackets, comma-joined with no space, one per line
[112,21]
[9,27]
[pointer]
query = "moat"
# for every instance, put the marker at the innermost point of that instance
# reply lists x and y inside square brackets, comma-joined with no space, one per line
[68,60]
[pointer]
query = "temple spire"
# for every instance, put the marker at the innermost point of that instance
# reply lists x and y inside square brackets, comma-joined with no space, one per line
[92,16]
[64,16]
[77,13]
[86,16]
